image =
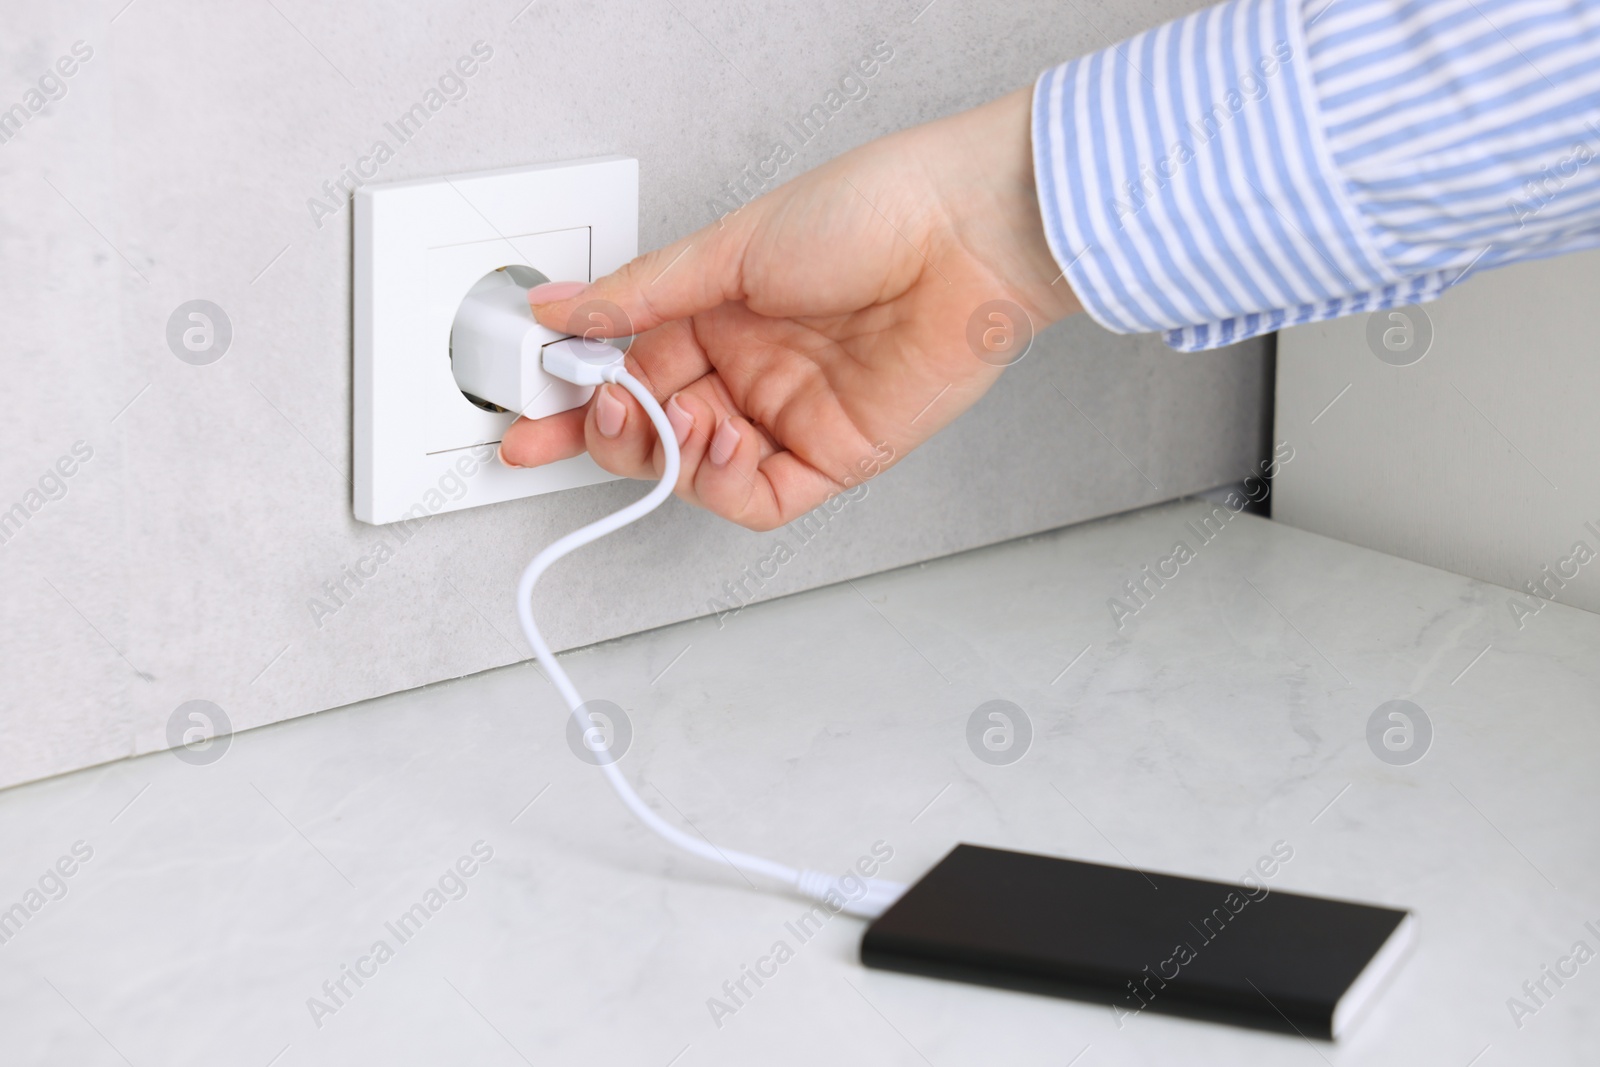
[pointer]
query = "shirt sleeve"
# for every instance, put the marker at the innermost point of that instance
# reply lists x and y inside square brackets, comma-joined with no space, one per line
[1264,163]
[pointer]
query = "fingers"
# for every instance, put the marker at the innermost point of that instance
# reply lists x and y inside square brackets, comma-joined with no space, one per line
[727,481]
[619,435]
[732,469]
[611,427]
[621,438]
[668,358]
[535,442]
[728,466]
[690,275]
[743,481]
[777,380]
[694,418]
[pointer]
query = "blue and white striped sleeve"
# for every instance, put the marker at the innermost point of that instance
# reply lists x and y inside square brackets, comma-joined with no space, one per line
[1263,163]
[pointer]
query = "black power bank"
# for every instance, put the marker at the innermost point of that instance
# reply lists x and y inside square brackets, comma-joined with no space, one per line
[1241,954]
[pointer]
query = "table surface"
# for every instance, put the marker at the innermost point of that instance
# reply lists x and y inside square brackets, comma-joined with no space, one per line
[1226,717]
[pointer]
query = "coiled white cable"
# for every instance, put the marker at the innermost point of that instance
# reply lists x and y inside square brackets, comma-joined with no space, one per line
[594,364]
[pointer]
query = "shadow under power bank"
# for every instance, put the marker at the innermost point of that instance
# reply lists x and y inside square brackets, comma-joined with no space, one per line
[1134,940]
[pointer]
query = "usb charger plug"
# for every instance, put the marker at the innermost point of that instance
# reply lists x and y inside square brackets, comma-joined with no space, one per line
[583,362]
[497,352]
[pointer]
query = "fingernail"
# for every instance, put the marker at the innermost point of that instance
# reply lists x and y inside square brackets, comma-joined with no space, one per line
[682,421]
[608,413]
[724,443]
[550,292]
[500,454]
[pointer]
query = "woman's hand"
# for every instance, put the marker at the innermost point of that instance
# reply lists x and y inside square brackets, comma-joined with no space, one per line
[821,332]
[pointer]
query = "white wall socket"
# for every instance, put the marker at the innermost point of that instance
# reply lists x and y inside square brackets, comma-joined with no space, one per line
[419,247]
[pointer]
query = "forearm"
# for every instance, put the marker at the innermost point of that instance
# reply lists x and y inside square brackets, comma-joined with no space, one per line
[982,162]
[1269,162]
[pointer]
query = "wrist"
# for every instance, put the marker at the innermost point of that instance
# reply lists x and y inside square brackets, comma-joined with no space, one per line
[981,162]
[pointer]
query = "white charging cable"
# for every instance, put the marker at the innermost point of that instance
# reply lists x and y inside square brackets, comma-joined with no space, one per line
[592,363]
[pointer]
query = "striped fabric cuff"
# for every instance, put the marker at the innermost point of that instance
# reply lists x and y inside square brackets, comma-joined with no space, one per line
[1467,131]
[1187,186]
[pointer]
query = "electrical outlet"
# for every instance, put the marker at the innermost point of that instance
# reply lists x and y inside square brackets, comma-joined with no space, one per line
[420,443]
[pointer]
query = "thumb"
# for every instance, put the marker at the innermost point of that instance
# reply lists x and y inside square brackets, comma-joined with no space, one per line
[693,274]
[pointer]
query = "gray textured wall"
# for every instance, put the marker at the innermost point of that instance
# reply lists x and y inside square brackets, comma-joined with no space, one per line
[177,165]
[1480,456]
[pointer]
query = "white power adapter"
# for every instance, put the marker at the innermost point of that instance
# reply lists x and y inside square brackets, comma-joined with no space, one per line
[497,349]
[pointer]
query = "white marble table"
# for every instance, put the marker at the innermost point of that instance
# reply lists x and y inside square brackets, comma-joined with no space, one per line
[1227,715]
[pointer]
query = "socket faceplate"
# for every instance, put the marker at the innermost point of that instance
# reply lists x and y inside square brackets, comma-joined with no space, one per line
[420,446]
